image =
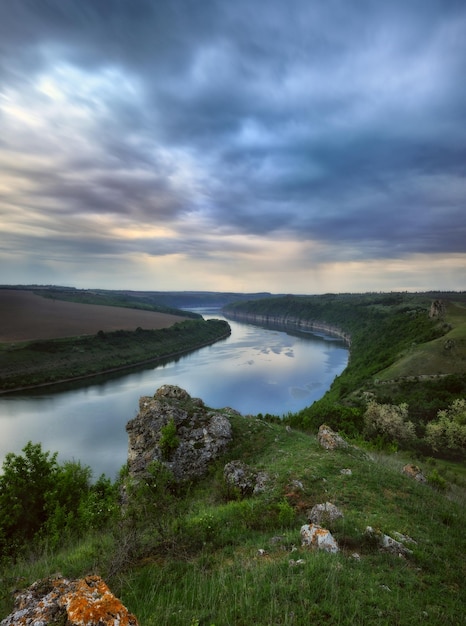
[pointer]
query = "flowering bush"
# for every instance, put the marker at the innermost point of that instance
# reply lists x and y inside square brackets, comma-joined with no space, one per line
[449,429]
[388,421]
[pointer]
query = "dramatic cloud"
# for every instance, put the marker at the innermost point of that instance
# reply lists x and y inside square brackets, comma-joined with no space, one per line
[303,146]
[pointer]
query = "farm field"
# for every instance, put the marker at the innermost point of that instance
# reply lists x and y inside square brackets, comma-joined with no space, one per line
[25,316]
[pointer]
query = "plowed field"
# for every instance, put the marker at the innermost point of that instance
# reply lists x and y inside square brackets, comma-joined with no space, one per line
[26,316]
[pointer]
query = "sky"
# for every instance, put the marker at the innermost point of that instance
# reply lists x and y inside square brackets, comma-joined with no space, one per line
[303,146]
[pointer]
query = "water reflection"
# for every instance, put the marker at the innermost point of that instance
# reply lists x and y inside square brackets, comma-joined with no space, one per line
[254,370]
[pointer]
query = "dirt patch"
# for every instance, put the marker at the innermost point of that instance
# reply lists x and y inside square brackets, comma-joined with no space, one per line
[26,316]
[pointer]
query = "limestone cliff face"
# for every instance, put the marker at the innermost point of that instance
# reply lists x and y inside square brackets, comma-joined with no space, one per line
[201,434]
[290,320]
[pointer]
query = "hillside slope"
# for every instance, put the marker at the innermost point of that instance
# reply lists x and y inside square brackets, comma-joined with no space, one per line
[206,555]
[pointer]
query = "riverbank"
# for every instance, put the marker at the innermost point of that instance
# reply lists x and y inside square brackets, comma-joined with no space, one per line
[42,363]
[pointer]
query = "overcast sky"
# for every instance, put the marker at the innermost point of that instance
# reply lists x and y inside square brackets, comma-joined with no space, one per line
[293,146]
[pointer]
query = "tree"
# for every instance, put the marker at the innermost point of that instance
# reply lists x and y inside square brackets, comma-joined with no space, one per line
[24,485]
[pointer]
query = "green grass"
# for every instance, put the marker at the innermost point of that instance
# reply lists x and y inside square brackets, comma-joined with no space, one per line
[445,355]
[207,568]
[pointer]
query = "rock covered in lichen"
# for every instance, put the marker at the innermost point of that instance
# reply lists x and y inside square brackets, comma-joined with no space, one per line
[200,434]
[413,471]
[329,439]
[325,513]
[241,476]
[318,538]
[389,544]
[83,602]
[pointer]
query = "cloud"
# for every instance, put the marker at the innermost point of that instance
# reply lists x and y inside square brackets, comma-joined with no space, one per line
[327,132]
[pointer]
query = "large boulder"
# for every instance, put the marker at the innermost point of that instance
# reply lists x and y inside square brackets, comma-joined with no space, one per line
[413,471]
[325,513]
[83,602]
[198,435]
[318,538]
[329,439]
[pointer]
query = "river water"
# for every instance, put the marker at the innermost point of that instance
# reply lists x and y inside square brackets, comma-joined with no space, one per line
[255,370]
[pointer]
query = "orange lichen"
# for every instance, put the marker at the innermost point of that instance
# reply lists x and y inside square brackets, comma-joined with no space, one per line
[91,601]
[84,602]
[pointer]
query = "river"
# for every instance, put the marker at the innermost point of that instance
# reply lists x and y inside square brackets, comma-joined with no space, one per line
[255,370]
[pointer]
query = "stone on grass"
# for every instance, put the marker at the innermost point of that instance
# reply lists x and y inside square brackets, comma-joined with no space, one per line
[325,513]
[387,543]
[329,439]
[413,471]
[318,538]
[241,476]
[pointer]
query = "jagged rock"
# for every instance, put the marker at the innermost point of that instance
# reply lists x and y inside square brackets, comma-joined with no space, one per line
[387,543]
[325,513]
[202,434]
[243,477]
[329,439]
[437,309]
[316,537]
[413,471]
[83,602]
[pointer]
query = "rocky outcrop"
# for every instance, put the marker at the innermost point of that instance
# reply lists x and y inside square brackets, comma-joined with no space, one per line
[83,602]
[329,439]
[389,544]
[178,431]
[437,310]
[248,481]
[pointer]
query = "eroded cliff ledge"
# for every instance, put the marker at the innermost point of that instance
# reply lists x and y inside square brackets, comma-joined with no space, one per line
[289,321]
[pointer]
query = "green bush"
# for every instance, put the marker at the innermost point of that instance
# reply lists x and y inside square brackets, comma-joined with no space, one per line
[25,485]
[438,482]
[41,499]
[169,441]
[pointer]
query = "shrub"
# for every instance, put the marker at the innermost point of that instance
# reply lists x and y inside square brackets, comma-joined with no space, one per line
[389,422]
[169,441]
[449,430]
[435,480]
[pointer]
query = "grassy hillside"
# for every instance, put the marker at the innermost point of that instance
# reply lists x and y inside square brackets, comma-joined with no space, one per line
[197,559]
[201,554]
[445,355]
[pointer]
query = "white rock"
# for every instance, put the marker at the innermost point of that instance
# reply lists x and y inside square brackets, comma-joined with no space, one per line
[315,536]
